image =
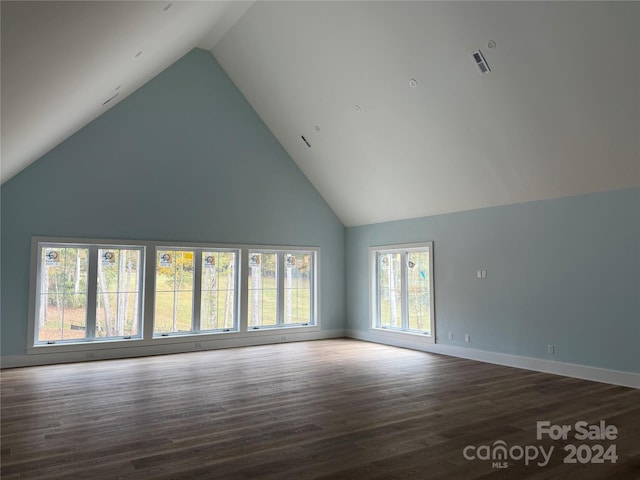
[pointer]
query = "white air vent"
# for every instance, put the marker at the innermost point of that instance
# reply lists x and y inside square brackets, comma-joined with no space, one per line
[480,62]
[110,98]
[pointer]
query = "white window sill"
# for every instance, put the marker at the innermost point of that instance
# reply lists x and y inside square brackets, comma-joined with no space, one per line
[172,338]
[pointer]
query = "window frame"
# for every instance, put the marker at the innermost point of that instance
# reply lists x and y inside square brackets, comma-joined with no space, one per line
[196,291]
[375,321]
[147,289]
[236,290]
[92,291]
[281,254]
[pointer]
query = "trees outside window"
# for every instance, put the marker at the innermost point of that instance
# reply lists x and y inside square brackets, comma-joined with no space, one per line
[88,292]
[63,293]
[93,290]
[218,290]
[402,288]
[190,302]
[281,288]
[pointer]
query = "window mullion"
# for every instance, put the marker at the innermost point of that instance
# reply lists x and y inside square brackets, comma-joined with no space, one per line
[312,286]
[377,292]
[404,289]
[243,276]
[36,300]
[118,292]
[197,289]
[92,292]
[280,287]
[140,295]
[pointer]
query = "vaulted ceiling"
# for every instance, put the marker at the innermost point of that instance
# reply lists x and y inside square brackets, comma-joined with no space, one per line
[397,120]
[61,61]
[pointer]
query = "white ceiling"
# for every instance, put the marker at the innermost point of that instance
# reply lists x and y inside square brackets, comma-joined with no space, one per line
[558,115]
[62,60]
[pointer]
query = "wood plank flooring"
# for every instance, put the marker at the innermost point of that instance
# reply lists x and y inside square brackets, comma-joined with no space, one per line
[331,409]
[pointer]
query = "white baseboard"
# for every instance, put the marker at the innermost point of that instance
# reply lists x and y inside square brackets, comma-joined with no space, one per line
[584,372]
[614,377]
[183,345]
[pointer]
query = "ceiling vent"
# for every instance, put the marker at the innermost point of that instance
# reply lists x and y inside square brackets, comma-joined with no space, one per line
[480,62]
[110,98]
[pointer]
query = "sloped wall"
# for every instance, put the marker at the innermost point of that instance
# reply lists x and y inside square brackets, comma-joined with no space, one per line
[184,158]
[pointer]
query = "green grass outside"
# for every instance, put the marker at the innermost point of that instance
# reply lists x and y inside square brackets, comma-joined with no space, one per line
[75,317]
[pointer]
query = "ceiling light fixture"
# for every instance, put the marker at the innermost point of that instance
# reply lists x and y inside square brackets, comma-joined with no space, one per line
[491,44]
[357,108]
[138,54]
[413,83]
[167,7]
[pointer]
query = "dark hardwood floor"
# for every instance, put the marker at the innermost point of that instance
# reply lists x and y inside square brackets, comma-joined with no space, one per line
[334,409]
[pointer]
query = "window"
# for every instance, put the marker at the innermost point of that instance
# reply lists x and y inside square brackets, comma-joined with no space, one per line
[263,289]
[87,292]
[174,291]
[218,290]
[297,287]
[281,288]
[402,288]
[196,291]
[93,290]
[118,292]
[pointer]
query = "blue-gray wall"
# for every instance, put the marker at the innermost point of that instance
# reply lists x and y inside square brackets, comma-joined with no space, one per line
[564,272]
[184,158]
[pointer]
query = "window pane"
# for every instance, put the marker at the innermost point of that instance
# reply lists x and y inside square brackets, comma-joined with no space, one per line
[297,287]
[174,291]
[118,292]
[163,319]
[217,309]
[418,291]
[263,295]
[389,290]
[62,307]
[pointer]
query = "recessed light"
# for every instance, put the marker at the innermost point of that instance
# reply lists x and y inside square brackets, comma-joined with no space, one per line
[357,108]
[138,54]
[491,44]
[413,83]
[317,128]
[118,87]
[167,7]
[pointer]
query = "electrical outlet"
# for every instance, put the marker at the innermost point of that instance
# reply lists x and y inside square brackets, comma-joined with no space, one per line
[450,335]
[198,345]
[467,338]
[551,349]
